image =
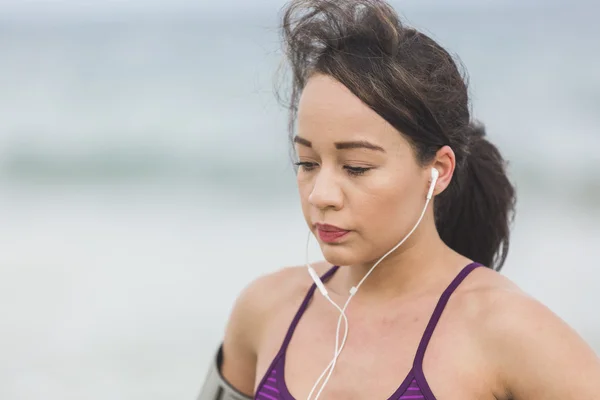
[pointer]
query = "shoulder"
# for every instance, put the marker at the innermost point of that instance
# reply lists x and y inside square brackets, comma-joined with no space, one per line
[535,353]
[501,309]
[265,295]
[256,305]
[482,295]
[271,290]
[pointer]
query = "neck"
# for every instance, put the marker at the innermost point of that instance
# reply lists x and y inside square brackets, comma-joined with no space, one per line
[423,261]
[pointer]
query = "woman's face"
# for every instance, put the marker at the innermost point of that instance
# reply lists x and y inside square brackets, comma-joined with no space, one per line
[356,172]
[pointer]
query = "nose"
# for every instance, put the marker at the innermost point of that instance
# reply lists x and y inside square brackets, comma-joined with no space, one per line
[326,191]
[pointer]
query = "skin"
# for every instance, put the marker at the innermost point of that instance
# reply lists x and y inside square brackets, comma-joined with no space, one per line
[492,342]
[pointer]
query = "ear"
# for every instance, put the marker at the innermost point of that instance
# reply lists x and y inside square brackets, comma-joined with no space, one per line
[445,162]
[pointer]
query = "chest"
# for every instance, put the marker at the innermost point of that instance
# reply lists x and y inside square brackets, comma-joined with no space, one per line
[379,356]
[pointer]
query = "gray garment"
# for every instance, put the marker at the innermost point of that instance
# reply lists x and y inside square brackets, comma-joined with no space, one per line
[216,387]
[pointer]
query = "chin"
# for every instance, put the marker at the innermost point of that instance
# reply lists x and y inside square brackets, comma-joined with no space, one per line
[340,255]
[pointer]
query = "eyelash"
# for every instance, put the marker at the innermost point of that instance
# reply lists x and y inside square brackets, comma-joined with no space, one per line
[354,171]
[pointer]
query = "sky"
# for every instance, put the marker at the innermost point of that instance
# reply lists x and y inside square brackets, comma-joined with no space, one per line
[48,9]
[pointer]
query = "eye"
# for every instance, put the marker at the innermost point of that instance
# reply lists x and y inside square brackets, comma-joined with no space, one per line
[356,171]
[306,166]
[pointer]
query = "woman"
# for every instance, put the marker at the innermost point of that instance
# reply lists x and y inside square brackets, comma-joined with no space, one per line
[378,107]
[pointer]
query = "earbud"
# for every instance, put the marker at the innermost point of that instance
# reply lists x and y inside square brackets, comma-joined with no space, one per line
[434,177]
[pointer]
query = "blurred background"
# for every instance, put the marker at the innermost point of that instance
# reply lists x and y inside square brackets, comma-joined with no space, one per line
[145,177]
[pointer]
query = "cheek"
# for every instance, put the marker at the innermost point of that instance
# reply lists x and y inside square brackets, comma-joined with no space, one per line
[389,202]
[304,190]
[379,206]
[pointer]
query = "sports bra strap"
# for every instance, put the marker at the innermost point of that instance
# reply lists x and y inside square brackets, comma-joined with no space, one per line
[324,278]
[437,312]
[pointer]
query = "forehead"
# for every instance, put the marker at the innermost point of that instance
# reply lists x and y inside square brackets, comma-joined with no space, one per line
[329,110]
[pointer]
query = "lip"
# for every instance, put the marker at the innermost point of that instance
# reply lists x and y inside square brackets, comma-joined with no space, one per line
[329,228]
[330,233]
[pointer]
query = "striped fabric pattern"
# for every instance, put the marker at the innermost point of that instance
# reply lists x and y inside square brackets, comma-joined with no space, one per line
[413,391]
[268,390]
[274,388]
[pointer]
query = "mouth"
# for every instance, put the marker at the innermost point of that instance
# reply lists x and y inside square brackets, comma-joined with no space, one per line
[330,233]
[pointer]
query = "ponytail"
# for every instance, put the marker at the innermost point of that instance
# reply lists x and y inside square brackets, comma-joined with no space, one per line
[473,215]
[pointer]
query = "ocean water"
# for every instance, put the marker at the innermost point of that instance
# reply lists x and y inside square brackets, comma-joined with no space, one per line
[144,170]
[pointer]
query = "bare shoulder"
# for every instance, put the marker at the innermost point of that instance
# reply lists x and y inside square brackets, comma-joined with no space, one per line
[499,306]
[258,302]
[268,292]
[275,289]
[481,291]
[535,352]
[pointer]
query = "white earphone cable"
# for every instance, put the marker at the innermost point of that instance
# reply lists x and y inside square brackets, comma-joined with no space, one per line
[353,291]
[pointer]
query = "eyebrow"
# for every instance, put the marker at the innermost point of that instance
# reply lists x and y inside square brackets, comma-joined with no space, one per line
[360,144]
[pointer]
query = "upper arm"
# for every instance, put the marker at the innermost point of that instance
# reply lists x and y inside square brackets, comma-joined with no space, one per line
[538,355]
[242,335]
[247,321]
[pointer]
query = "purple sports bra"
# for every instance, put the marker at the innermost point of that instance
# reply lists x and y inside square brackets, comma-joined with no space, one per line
[414,386]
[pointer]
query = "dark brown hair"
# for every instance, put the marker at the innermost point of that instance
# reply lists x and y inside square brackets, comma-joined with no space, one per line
[416,86]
